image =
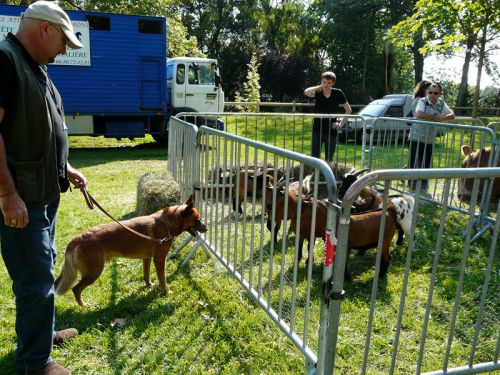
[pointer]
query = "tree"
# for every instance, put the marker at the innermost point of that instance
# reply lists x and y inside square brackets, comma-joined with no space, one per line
[448,26]
[284,76]
[251,87]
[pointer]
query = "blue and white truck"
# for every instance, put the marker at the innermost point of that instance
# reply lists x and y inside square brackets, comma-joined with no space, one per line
[121,84]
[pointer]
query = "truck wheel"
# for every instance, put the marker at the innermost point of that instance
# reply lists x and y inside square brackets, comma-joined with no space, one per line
[161,139]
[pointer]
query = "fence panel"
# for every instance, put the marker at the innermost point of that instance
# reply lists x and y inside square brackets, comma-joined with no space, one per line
[182,154]
[436,308]
[292,132]
[438,305]
[252,226]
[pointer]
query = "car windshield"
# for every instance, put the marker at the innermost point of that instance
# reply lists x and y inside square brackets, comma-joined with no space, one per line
[373,110]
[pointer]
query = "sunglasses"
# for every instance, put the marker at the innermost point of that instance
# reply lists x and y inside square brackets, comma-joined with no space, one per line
[433,92]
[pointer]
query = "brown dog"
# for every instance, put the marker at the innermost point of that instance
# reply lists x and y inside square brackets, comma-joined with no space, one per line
[88,252]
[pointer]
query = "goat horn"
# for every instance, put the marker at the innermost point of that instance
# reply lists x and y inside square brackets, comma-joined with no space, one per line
[353,170]
[361,172]
[280,181]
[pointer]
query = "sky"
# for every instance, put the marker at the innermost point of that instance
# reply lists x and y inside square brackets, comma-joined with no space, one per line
[451,69]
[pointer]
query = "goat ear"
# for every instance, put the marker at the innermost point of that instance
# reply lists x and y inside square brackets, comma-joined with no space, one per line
[465,150]
[190,200]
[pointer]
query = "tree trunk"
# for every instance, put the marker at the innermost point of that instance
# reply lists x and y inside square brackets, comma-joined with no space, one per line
[418,58]
[463,91]
[365,55]
[389,69]
[477,91]
[497,103]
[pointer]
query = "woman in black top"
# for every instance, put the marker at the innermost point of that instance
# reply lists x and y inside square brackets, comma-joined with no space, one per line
[327,100]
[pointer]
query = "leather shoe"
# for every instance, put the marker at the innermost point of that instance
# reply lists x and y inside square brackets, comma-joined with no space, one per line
[62,336]
[50,369]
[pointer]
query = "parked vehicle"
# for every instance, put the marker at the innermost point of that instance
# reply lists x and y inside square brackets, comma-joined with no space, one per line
[395,105]
[121,85]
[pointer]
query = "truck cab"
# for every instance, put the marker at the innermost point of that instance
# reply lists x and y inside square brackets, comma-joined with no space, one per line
[194,85]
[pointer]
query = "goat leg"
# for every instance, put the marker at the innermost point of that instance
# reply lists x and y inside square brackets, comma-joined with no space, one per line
[401,233]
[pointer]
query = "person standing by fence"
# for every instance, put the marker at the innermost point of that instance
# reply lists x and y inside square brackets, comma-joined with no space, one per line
[34,170]
[327,100]
[422,137]
[418,93]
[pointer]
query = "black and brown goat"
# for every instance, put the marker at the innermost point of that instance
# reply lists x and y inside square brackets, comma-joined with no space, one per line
[363,227]
[368,199]
[239,192]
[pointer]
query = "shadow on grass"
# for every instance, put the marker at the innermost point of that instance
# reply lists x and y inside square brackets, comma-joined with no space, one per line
[87,157]
[7,364]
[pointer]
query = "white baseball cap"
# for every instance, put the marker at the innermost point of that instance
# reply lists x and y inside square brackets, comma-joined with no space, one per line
[51,12]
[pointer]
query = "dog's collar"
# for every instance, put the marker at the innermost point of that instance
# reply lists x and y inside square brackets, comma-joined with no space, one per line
[161,241]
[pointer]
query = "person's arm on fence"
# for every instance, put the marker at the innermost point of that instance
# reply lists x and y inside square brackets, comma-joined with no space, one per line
[348,111]
[447,114]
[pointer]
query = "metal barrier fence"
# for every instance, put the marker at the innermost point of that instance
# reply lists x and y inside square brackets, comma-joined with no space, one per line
[291,132]
[294,106]
[441,277]
[182,156]
[379,144]
[438,307]
[262,258]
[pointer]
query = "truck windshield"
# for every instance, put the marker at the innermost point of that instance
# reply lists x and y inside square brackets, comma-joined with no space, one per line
[202,74]
[373,110]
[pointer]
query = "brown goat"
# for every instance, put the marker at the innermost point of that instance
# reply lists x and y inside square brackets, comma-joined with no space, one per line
[293,203]
[363,228]
[239,192]
[477,159]
[279,215]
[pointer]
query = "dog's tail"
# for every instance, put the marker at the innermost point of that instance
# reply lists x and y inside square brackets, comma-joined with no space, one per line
[68,274]
[404,209]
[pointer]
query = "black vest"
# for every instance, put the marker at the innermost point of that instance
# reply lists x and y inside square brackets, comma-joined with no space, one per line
[28,135]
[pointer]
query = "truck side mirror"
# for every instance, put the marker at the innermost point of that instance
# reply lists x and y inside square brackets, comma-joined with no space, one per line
[217,81]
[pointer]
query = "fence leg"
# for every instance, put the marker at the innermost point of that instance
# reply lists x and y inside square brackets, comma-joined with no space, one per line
[482,231]
[191,253]
[174,253]
[311,368]
[199,243]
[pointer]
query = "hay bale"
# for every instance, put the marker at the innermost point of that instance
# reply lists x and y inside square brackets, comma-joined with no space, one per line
[156,191]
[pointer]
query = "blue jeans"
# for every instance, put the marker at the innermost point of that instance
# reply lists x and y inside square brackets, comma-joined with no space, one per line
[29,255]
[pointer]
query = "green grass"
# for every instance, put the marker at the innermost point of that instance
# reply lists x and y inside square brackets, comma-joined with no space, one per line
[208,325]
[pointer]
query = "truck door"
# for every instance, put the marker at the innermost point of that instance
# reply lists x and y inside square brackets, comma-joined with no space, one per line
[178,89]
[200,89]
[151,83]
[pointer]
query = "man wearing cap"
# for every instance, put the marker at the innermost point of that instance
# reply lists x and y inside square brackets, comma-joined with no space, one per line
[34,170]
